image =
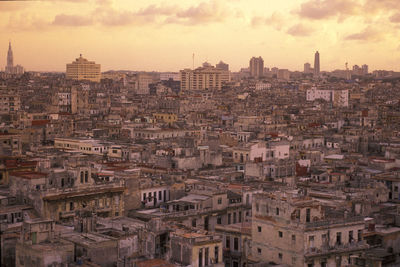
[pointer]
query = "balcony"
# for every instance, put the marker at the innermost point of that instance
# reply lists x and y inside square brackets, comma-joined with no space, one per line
[342,248]
[326,223]
[230,253]
[67,214]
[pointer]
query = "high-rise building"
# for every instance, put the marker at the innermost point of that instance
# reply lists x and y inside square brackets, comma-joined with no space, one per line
[256,67]
[10,68]
[316,64]
[307,68]
[143,81]
[203,78]
[10,57]
[82,69]
[364,69]
[283,74]
[223,66]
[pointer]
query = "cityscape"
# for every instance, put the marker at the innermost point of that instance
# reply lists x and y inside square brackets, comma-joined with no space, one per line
[219,162]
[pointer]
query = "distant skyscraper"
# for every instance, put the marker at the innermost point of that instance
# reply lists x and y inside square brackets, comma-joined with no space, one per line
[223,66]
[207,65]
[82,69]
[364,69]
[316,64]
[10,68]
[283,74]
[307,68]
[10,57]
[256,67]
[203,78]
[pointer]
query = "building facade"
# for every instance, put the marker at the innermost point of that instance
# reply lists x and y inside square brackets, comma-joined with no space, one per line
[256,67]
[203,78]
[82,69]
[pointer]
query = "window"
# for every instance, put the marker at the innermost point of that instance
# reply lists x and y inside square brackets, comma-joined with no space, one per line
[324,239]
[228,242]
[219,220]
[86,176]
[206,260]
[351,236]
[144,196]
[71,206]
[240,216]
[259,229]
[280,234]
[194,223]
[257,207]
[311,241]
[277,211]
[308,215]
[338,238]
[293,239]
[216,254]
[159,195]
[201,257]
[81,177]
[229,218]
[236,243]
[280,256]
[234,217]
[259,251]
[359,237]
[219,200]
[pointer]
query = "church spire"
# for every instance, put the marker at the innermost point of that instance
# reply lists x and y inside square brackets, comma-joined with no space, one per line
[10,57]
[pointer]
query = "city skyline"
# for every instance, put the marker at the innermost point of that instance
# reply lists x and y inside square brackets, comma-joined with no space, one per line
[161,36]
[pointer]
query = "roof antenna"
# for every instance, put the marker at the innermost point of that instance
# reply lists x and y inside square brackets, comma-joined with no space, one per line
[193,60]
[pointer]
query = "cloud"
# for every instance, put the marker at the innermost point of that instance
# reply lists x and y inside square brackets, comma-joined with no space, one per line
[276,20]
[202,13]
[300,30]
[381,5]
[72,20]
[26,22]
[368,34]
[12,6]
[324,9]
[157,10]
[395,18]
[205,12]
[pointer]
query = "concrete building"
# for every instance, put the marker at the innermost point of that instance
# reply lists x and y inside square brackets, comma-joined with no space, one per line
[223,66]
[339,98]
[165,76]
[298,231]
[256,67]
[307,68]
[203,78]
[283,74]
[9,102]
[82,69]
[38,246]
[316,65]
[196,249]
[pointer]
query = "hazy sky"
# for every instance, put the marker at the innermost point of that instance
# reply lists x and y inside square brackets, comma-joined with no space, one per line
[162,35]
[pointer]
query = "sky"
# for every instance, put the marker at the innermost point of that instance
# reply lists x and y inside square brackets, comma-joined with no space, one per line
[152,35]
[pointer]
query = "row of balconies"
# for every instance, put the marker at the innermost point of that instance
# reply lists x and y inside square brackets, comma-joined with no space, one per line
[337,248]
